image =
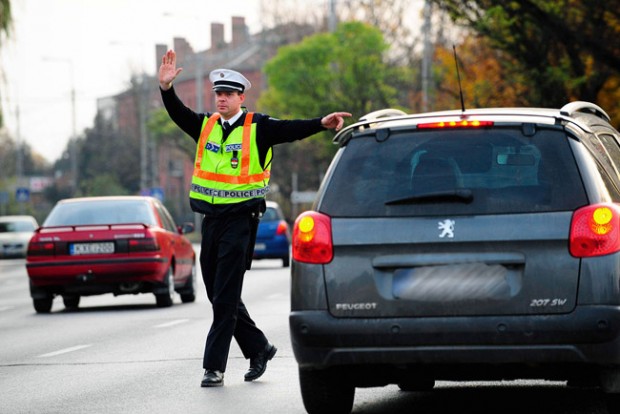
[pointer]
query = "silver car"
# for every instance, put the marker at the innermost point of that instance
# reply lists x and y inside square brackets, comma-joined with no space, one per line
[15,233]
[463,245]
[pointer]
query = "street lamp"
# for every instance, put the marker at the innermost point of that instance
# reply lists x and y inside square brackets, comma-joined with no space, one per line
[72,143]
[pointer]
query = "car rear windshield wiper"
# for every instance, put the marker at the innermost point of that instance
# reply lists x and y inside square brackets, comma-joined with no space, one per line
[457,195]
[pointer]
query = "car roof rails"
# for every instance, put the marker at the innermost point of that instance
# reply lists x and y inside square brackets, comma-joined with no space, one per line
[382,113]
[586,107]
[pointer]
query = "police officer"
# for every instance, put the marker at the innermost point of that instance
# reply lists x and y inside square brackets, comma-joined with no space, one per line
[229,183]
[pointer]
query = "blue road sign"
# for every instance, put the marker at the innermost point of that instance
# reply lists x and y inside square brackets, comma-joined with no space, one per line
[158,193]
[22,194]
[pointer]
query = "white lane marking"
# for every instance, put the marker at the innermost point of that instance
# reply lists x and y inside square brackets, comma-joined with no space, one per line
[5,308]
[64,351]
[171,323]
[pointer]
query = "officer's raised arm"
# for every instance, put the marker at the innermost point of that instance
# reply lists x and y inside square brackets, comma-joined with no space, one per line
[168,70]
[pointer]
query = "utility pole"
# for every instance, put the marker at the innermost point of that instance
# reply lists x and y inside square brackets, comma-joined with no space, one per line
[427,54]
[73,140]
[20,149]
[140,91]
[20,156]
[332,21]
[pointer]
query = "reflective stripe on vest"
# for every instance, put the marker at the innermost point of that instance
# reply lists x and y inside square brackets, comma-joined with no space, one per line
[231,186]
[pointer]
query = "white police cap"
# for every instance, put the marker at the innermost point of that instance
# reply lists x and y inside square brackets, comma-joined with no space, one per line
[229,80]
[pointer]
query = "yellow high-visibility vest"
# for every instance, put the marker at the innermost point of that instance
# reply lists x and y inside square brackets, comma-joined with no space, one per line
[229,172]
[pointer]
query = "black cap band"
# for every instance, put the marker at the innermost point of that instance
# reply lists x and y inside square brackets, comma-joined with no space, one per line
[227,85]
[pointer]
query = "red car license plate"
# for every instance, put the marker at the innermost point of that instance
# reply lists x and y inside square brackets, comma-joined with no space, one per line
[91,248]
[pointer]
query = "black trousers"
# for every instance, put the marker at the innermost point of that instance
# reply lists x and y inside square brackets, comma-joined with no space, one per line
[224,251]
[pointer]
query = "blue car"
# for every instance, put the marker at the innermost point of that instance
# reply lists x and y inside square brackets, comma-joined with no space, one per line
[273,239]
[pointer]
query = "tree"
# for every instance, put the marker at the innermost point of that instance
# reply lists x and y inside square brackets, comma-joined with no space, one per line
[105,150]
[327,72]
[564,49]
[5,17]
[164,131]
[391,17]
[484,79]
[330,71]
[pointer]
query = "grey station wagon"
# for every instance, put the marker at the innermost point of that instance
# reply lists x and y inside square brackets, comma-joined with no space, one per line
[463,245]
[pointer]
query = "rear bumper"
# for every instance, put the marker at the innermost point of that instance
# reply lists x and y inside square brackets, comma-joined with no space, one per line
[96,271]
[588,335]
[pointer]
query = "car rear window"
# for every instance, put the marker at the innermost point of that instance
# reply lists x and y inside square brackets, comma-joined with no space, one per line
[456,172]
[100,212]
[270,214]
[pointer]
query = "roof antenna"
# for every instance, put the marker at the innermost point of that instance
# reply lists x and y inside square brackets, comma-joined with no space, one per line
[458,75]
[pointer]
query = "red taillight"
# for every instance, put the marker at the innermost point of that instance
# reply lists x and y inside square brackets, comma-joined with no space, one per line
[465,123]
[282,228]
[41,249]
[148,244]
[595,231]
[312,238]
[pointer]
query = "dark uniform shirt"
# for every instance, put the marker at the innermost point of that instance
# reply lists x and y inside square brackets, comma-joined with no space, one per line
[269,132]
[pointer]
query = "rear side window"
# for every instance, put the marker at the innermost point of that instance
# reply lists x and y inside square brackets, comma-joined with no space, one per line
[482,171]
[166,218]
[607,154]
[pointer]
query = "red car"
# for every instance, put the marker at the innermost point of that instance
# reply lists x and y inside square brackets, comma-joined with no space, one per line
[120,245]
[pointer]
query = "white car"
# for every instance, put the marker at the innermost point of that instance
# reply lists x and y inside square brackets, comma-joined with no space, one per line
[15,233]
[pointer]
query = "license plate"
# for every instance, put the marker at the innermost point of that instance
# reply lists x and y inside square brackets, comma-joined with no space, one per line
[91,248]
[456,282]
[260,246]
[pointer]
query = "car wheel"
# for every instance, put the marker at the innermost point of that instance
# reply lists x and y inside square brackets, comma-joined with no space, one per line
[323,391]
[189,291]
[419,384]
[286,261]
[43,305]
[71,301]
[164,300]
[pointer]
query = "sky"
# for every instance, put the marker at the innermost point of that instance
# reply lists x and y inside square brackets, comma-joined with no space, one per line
[92,47]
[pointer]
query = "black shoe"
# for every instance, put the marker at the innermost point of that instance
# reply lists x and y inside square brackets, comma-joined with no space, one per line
[258,364]
[212,378]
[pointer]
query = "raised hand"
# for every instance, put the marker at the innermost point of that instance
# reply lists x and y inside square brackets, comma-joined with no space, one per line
[168,70]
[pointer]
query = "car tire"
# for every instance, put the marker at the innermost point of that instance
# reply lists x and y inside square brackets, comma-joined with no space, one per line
[43,305]
[420,384]
[188,294]
[324,391]
[71,301]
[164,300]
[286,261]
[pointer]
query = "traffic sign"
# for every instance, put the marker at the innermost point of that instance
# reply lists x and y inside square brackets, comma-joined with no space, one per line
[22,195]
[158,193]
[303,196]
